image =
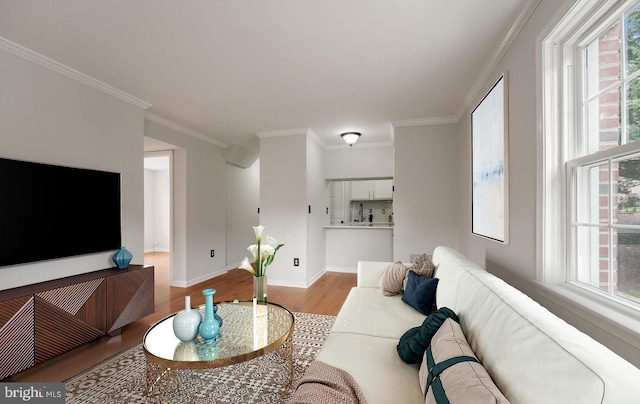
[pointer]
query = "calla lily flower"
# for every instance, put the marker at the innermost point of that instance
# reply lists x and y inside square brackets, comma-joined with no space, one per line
[258,230]
[253,250]
[272,241]
[246,265]
[263,254]
[266,250]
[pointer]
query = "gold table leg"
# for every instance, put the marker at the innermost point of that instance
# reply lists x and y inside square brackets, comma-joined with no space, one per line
[286,351]
[160,380]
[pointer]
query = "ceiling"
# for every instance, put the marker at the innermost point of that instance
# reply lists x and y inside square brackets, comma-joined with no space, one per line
[230,69]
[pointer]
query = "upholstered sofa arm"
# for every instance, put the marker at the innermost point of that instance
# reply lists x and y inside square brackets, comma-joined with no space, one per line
[369,272]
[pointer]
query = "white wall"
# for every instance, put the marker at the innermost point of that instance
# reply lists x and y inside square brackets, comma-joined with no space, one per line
[318,199]
[283,205]
[516,262]
[425,196]
[243,198]
[358,162]
[199,205]
[48,118]
[291,181]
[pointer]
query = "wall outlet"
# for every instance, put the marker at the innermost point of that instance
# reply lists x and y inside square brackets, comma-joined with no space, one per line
[213,253]
[296,262]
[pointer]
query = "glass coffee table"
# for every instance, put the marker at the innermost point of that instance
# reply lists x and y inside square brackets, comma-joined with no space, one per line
[246,333]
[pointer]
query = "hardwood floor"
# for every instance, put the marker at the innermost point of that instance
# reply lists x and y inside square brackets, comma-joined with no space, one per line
[325,296]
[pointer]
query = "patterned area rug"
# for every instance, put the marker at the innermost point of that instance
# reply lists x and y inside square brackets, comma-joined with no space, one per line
[121,379]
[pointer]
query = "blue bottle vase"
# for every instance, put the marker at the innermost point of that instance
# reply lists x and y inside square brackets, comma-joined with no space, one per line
[209,327]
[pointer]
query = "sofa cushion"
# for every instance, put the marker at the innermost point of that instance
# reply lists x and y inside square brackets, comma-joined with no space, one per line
[366,311]
[369,273]
[420,292]
[374,364]
[392,279]
[415,341]
[527,350]
[463,382]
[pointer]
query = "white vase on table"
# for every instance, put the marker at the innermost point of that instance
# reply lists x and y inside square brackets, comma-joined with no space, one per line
[186,322]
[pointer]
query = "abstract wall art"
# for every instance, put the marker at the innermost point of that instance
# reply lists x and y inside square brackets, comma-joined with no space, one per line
[489,162]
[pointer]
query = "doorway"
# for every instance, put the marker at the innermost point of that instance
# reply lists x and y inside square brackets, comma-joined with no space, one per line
[158,218]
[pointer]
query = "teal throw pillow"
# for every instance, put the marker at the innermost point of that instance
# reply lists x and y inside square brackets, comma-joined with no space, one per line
[420,292]
[415,341]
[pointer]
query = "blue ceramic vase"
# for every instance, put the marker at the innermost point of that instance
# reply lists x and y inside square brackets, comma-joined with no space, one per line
[215,314]
[122,258]
[209,327]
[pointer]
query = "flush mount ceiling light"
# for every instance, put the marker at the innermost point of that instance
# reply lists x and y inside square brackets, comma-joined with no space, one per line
[350,137]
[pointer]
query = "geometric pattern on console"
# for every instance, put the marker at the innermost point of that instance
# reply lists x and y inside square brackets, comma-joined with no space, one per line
[57,331]
[71,298]
[131,296]
[17,334]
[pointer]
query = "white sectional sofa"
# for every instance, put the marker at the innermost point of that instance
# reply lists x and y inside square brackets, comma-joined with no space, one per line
[531,355]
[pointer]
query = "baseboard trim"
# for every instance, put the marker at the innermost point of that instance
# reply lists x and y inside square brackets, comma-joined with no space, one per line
[232,266]
[191,282]
[315,278]
[348,270]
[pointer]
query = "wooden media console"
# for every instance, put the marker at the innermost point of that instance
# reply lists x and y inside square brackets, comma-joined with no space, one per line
[40,321]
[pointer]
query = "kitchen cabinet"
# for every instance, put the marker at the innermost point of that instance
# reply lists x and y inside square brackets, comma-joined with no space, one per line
[382,189]
[360,190]
[371,190]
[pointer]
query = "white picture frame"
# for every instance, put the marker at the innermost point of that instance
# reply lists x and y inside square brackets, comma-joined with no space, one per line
[490,164]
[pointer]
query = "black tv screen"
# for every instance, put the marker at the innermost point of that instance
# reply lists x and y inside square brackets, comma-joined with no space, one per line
[49,211]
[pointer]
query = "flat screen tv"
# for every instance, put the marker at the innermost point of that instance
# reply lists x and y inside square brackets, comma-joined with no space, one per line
[49,211]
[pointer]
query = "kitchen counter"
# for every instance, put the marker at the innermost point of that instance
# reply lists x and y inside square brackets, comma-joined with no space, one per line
[347,244]
[378,226]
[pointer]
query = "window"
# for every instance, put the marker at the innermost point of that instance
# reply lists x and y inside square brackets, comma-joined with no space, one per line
[361,202]
[591,153]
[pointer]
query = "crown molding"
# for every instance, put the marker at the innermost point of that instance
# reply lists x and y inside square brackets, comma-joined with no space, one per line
[497,55]
[312,135]
[34,57]
[285,132]
[172,125]
[293,132]
[424,121]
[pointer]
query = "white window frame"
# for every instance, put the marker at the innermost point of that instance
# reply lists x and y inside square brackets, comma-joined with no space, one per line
[560,49]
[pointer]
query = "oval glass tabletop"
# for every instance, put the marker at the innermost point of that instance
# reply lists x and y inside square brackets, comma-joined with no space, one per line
[246,333]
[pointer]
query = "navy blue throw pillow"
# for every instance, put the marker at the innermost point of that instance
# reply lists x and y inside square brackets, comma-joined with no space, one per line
[420,292]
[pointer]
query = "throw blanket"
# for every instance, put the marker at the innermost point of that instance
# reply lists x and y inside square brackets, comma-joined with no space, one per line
[323,383]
